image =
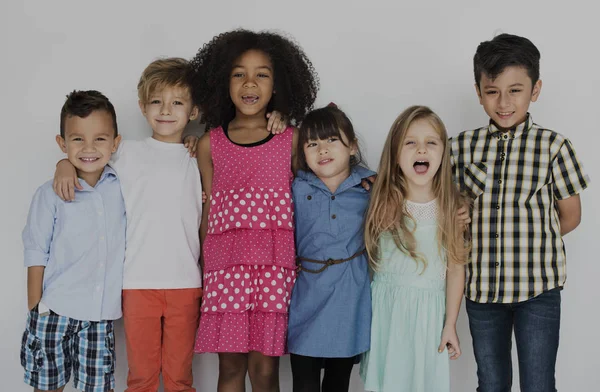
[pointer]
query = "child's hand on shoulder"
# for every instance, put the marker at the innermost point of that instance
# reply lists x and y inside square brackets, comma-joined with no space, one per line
[65,180]
[277,122]
[366,183]
[191,142]
[462,218]
[450,340]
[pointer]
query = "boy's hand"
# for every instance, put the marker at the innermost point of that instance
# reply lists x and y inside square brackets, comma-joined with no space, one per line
[190,142]
[462,218]
[277,122]
[450,340]
[367,182]
[65,180]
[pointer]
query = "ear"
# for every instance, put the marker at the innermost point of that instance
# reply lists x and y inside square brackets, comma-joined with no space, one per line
[537,89]
[116,143]
[478,91]
[61,143]
[194,113]
[142,107]
[354,147]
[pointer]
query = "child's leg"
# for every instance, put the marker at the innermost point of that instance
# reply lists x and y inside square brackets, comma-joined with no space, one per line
[306,373]
[537,326]
[45,351]
[232,372]
[491,330]
[142,313]
[264,372]
[179,333]
[337,374]
[93,349]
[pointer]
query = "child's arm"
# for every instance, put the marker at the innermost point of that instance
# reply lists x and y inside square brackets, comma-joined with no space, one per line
[569,213]
[455,284]
[37,238]
[35,284]
[65,180]
[205,165]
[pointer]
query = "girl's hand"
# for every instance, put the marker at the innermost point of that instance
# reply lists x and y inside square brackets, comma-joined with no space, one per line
[463,218]
[450,340]
[204,197]
[367,182]
[277,122]
[65,180]
[190,142]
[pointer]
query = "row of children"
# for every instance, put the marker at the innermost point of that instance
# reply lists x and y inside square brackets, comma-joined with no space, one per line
[290,233]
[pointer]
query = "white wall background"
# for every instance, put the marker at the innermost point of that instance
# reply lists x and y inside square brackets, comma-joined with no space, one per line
[374,59]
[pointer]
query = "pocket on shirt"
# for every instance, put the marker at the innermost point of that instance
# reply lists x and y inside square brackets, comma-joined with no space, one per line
[475,178]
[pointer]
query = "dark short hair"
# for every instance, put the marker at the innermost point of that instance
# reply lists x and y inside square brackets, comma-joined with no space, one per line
[321,124]
[82,104]
[506,50]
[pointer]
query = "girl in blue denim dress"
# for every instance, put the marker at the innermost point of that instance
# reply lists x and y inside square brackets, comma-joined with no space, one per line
[330,310]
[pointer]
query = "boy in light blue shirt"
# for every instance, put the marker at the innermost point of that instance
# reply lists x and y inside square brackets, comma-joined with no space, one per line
[74,253]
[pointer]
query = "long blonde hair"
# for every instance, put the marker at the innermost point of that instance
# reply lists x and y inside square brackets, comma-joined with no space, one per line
[387,210]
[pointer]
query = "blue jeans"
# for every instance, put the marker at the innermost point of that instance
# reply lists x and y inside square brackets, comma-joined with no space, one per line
[536,323]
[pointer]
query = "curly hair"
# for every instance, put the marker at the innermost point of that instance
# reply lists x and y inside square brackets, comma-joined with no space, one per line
[295,78]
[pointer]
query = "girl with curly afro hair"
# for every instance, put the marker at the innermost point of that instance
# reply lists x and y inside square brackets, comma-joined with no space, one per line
[247,226]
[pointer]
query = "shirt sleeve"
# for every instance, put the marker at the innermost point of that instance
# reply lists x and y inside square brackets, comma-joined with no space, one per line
[567,172]
[38,231]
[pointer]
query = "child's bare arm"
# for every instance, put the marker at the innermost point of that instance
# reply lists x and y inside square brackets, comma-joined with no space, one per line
[277,122]
[35,281]
[65,180]
[455,283]
[569,213]
[205,165]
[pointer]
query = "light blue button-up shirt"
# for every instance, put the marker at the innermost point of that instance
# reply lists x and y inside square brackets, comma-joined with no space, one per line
[82,245]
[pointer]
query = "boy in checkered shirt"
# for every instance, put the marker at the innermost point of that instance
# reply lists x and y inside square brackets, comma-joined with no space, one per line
[525,181]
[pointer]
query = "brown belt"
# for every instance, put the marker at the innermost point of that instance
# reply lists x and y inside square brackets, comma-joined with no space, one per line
[325,263]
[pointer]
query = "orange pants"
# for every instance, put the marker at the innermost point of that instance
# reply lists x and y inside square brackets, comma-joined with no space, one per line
[160,330]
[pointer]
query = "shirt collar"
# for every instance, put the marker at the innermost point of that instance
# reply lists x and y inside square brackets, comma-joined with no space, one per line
[357,174]
[515,131]
[107,174]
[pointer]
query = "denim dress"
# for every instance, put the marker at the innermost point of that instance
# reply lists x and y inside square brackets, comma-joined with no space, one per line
[330,311]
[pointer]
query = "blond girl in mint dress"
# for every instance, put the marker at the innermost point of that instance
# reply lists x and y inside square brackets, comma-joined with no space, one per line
[414,238]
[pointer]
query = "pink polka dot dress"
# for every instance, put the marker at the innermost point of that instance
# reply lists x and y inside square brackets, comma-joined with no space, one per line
[249,254]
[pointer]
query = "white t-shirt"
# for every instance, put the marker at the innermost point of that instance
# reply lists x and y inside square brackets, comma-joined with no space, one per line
[163,201]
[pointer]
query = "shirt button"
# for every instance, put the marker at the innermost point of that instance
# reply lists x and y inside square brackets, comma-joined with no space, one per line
[498,206]
[505,136]
[499,181]
[333,216]
[497,235]
[332,197]
[308,197]
[497,264]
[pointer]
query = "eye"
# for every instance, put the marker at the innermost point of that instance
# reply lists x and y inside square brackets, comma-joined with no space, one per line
[515,90]
[155,101]
[263,75]
[237,75]
[432,142]
[491,92]
[101,139]
[178,103]
[77,139]
[310,144]
[332,139]
[408,142]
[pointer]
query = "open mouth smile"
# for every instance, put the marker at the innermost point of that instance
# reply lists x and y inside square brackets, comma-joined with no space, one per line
[421,166]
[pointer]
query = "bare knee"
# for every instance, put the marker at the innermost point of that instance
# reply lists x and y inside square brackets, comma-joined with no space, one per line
[232,366]
[264,372]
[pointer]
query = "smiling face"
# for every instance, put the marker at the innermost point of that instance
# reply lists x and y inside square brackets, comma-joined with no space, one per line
[329,159]
[506,98]
[251,83]
[419,157]
[168,112]
[89,143]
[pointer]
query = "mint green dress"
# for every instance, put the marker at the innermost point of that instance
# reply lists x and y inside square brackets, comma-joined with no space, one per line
[408,314]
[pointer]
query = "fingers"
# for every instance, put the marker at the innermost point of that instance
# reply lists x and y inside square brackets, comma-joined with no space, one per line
[204,197]
[442,346]
[191,143]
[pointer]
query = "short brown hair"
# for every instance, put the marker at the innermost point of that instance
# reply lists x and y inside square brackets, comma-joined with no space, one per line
[82,104]
[161,73]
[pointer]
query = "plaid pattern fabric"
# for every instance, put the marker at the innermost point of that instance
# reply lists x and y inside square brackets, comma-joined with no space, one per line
[53,346]
[515,178]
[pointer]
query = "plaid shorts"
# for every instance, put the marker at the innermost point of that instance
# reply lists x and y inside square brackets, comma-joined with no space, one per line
[53,346]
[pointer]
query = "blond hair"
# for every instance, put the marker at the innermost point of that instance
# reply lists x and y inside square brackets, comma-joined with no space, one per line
[387,210]
[161,73]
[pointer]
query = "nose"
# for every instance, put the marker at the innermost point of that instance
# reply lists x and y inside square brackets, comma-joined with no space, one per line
[323,149]
[421,148]
[89,146]
[165,109]
[249,82]
[504,100]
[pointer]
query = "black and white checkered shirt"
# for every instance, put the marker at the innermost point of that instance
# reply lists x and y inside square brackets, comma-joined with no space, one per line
[515,178]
